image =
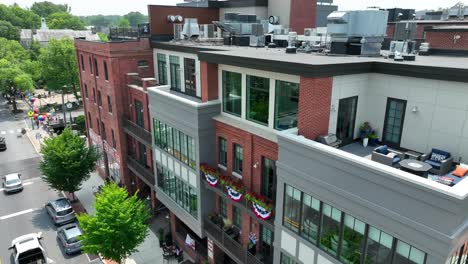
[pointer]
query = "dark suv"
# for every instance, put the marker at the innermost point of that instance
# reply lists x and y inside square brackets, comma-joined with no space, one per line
[2,143]
[61,211]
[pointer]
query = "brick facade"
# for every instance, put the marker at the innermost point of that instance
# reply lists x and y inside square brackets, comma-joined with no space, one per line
[209,81]
[448,40]
[302,15]
[314,106]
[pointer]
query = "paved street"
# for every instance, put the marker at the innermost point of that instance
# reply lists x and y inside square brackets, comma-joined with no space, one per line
[23,212]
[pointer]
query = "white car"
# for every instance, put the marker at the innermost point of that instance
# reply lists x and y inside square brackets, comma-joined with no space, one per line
[12,183]
[27,249]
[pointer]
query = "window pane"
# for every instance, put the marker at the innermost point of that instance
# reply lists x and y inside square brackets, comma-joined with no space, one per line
[170,143]
[258,92]
[175,72]
[238,156]
[176,138]
[379,247]
[183,148]
[222,207]
[310,218]
[353,240]
[163,129]
[268,176]
[330,234]
[232,92]
[286,259]
[237,217]
[286,105]
[222,151]
[292,207]
[162,69]
[406,254]
[191,152]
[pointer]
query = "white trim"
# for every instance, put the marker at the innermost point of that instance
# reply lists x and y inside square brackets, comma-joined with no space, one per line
[244,98]
[271,103]
[222,167]
[237,175]
[259,73]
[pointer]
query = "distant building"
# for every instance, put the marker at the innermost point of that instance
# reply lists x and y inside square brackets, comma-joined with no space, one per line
[44,35]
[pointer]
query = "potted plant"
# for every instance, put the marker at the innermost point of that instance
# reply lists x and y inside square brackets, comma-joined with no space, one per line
[364,130]
[373,138]
[262,206]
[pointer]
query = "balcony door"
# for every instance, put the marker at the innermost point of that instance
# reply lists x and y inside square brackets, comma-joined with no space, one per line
[266,245]
[139,113]
[393,124]
[190,77]
[346,119]
[142,153]
[268,178]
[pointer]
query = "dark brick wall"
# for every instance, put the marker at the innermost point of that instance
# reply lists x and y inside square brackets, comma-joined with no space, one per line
[209,81]
[302,15]
[445,40]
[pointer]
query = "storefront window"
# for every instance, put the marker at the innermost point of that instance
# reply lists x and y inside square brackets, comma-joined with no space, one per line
[258,93]
[286,105]
[232,93]
[330,235]
[292,208]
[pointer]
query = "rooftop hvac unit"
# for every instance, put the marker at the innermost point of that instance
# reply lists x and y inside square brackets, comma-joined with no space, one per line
[404,31]
[190,28]
[257,41]
[308,32]
[231,16]
[178,31]
[207,31]
[257,30]
[292,39]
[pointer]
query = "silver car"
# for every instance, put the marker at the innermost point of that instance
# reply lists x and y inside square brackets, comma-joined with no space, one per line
[61,211]
[68,236]
[12,183]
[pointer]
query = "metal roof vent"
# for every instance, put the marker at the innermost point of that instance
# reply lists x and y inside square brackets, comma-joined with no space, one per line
[191,28]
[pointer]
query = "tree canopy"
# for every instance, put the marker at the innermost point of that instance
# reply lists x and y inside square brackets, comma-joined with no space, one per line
[123,22]
[13,80]
[12,51]
[8,31]
[135,18]
[64,20]
[19,17]
[59,65]
[44,9]
[118,226]
[67,161]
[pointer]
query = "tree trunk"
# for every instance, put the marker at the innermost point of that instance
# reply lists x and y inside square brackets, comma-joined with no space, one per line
[75,92]
[73,196]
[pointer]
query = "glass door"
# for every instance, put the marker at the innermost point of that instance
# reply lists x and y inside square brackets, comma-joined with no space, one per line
[139,113]
[142,153]
[394,119]
[266,245]
[346,119]
[268,178]
[190,77]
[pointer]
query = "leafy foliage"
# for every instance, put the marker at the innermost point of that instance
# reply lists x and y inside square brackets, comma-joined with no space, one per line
[103,37]
[118,226]
[44,9]
[123,22]
[63,20]
[12,51]
[13,80]
[59,66]
[67,162]
[135,18]
[81,123]
[8,31]
[19,17]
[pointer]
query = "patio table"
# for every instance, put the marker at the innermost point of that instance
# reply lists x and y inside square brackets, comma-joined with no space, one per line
[416,167]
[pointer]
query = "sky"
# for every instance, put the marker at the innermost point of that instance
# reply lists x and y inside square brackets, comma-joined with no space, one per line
[120,7]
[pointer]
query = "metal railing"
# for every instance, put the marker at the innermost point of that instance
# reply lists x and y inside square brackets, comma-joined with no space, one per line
[146,174]
[140,133]
[200,249]
[229,245]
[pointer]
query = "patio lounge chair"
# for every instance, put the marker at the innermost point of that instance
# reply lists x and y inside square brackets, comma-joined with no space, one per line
[386,156]
[441,161]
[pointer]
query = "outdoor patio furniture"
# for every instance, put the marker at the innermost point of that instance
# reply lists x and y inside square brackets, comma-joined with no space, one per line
[415,167]
[386,156]
[441,161]
[330,140]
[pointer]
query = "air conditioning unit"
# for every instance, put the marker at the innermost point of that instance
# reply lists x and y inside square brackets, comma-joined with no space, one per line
[308,32]
[178,31]
[257,29]
[190,28]
[257,41]
[207,31]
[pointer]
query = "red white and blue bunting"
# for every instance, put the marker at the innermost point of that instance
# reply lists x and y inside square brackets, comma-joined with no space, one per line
[261,212]
[212,181]
[233,194]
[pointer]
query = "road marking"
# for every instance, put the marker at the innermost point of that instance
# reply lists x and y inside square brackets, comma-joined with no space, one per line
[12,131]
[20,213]
[3,132]
[18,130]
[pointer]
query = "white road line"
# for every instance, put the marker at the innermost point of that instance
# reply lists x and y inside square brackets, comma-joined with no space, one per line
[25,183]
[3,132]
[20,213]
[18,130]
[12,131]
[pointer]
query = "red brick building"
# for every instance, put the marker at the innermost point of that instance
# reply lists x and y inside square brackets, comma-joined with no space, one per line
[113,80]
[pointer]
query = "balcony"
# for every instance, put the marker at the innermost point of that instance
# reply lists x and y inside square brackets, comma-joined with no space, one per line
[244,204]
[228,244]
[144,173]
[138,132]
[201,250]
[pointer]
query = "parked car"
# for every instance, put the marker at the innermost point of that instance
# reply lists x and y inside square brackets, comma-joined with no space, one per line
[28,249]
[12,183]
[68,236]
[60,211]
[2,143]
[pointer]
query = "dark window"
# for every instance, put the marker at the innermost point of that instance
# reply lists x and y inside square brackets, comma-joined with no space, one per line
[82,62]
[183,148]
[268,178]
[237,217]
[98,125]
[232,93]
[142,63]
[94,95]
[162,69]
[113,138]
[109,103]
[190,77]
[407,254]
[103,131]
[285,259]
[139,115]
[90,65]
[96,68]
[286,105]
[176,138]
[99,98]
[238,158]
[330,233]
[353,240]
[379,247]
[292,208]
[175,72]
[191,152]
[310,218]
[86,90]
[90,122]
[106,74]
[222,207]
[258,96]
[222,151]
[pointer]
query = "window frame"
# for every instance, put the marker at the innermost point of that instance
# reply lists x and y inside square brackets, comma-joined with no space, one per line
[109,103]
[248,106]
[106,73]
[238,161]
[222,151]
[276,102]
[96,67]
[224,76]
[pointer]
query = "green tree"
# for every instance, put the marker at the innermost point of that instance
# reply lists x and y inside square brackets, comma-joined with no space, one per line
[44,9]
[12,51]
[63,20]
[59,66]
[8,31]
[13,80]
[135,18]
[80,122]
[33,68]
[118,226]
[103,37]
[35,50]
[67,161]
[123,22]
[23,18]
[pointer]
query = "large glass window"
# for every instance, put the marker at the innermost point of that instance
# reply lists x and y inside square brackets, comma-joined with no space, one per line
[292,208]
[162,69]
[175,134]
[330,235]
[190,77]
[237,217]
[268,178]
[379,247]
[175,72]
[310,218]
[258,93]
[183,148]
[353,240]
[170,142]
[232,93]
[238,158]
[285,259]
[286,104]
[191,153]
[407,254]
[222,151]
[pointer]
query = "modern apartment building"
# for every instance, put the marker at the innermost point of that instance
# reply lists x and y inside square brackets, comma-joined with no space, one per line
[114,76]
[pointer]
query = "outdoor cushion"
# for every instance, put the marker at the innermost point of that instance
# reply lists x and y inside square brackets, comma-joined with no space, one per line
[396,159]
[382,150]
[439,155]
[460,171]
[434,164]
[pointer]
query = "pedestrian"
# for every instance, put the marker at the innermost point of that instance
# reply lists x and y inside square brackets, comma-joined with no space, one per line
[37,124]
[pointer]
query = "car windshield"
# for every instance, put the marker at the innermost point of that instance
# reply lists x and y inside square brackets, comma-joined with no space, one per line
[31,256]
[64,212]
[13,181]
